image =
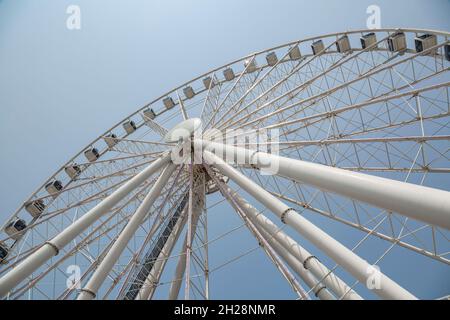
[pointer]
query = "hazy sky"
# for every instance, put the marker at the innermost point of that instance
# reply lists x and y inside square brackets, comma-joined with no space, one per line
[59,89]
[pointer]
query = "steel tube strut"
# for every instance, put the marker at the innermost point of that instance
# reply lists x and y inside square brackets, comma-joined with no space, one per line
[151,282]
[354,264]
[90,290]
[263,242]
[181,265]
[417,202]
[305,260]
[51,248]
[319,290]
[150,258]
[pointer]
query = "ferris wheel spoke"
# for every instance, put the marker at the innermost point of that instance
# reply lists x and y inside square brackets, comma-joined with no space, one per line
[242,82]
[355,221]
[93,236]
[86,181]
[285,79]
[322,114]
[80,205]
[154,126]
[317,119]
[211,99]
[256,86]
[137,148]
[354,84]
[389,154]
[49,215]
[182,108]
[211,103]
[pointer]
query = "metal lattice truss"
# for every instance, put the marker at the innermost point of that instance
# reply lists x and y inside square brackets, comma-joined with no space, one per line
[374,103]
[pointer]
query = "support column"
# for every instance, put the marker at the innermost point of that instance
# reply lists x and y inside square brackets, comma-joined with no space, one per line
[319,290]
[51,248]
[262,240]
[358,267]
[291,249]
[426,204]
[90,290]
[181,265]
[151,282]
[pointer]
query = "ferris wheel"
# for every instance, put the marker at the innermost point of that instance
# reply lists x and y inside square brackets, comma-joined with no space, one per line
[351,127]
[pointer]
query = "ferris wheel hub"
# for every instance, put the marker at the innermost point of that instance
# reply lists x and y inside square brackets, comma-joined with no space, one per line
[183,130]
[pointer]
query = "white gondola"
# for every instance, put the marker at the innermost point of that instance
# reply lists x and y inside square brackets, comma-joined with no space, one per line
[424,42]
[35,208]
[15,228]
[54,187]
[250,65]
[3,252]
[369,39]
[271,59]
[168,102]
[189,93]
[92,154]
[129,126]
[111,140]
[317,47]
[447,52]
[343,44]
[294,53]
[208,82]
[228,73]
[73,171]
[148,114]
[397,42]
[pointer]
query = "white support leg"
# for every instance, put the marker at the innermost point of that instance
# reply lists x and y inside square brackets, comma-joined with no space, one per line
[417,202]
[263,241]
[90,290]
[52,247]
[305,261]
[319,290]
[354,264]
[189,234]
[151,282]
[181,265]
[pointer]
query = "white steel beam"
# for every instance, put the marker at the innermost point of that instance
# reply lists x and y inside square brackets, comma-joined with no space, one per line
[51,248]
[320,290]
[90,289]
[181,265]
[421,203]
[262,240]
[354,264]
[182,108]
[151,282]
[305,260]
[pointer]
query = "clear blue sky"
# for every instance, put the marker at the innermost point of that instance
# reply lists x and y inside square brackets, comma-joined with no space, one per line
[60,89]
